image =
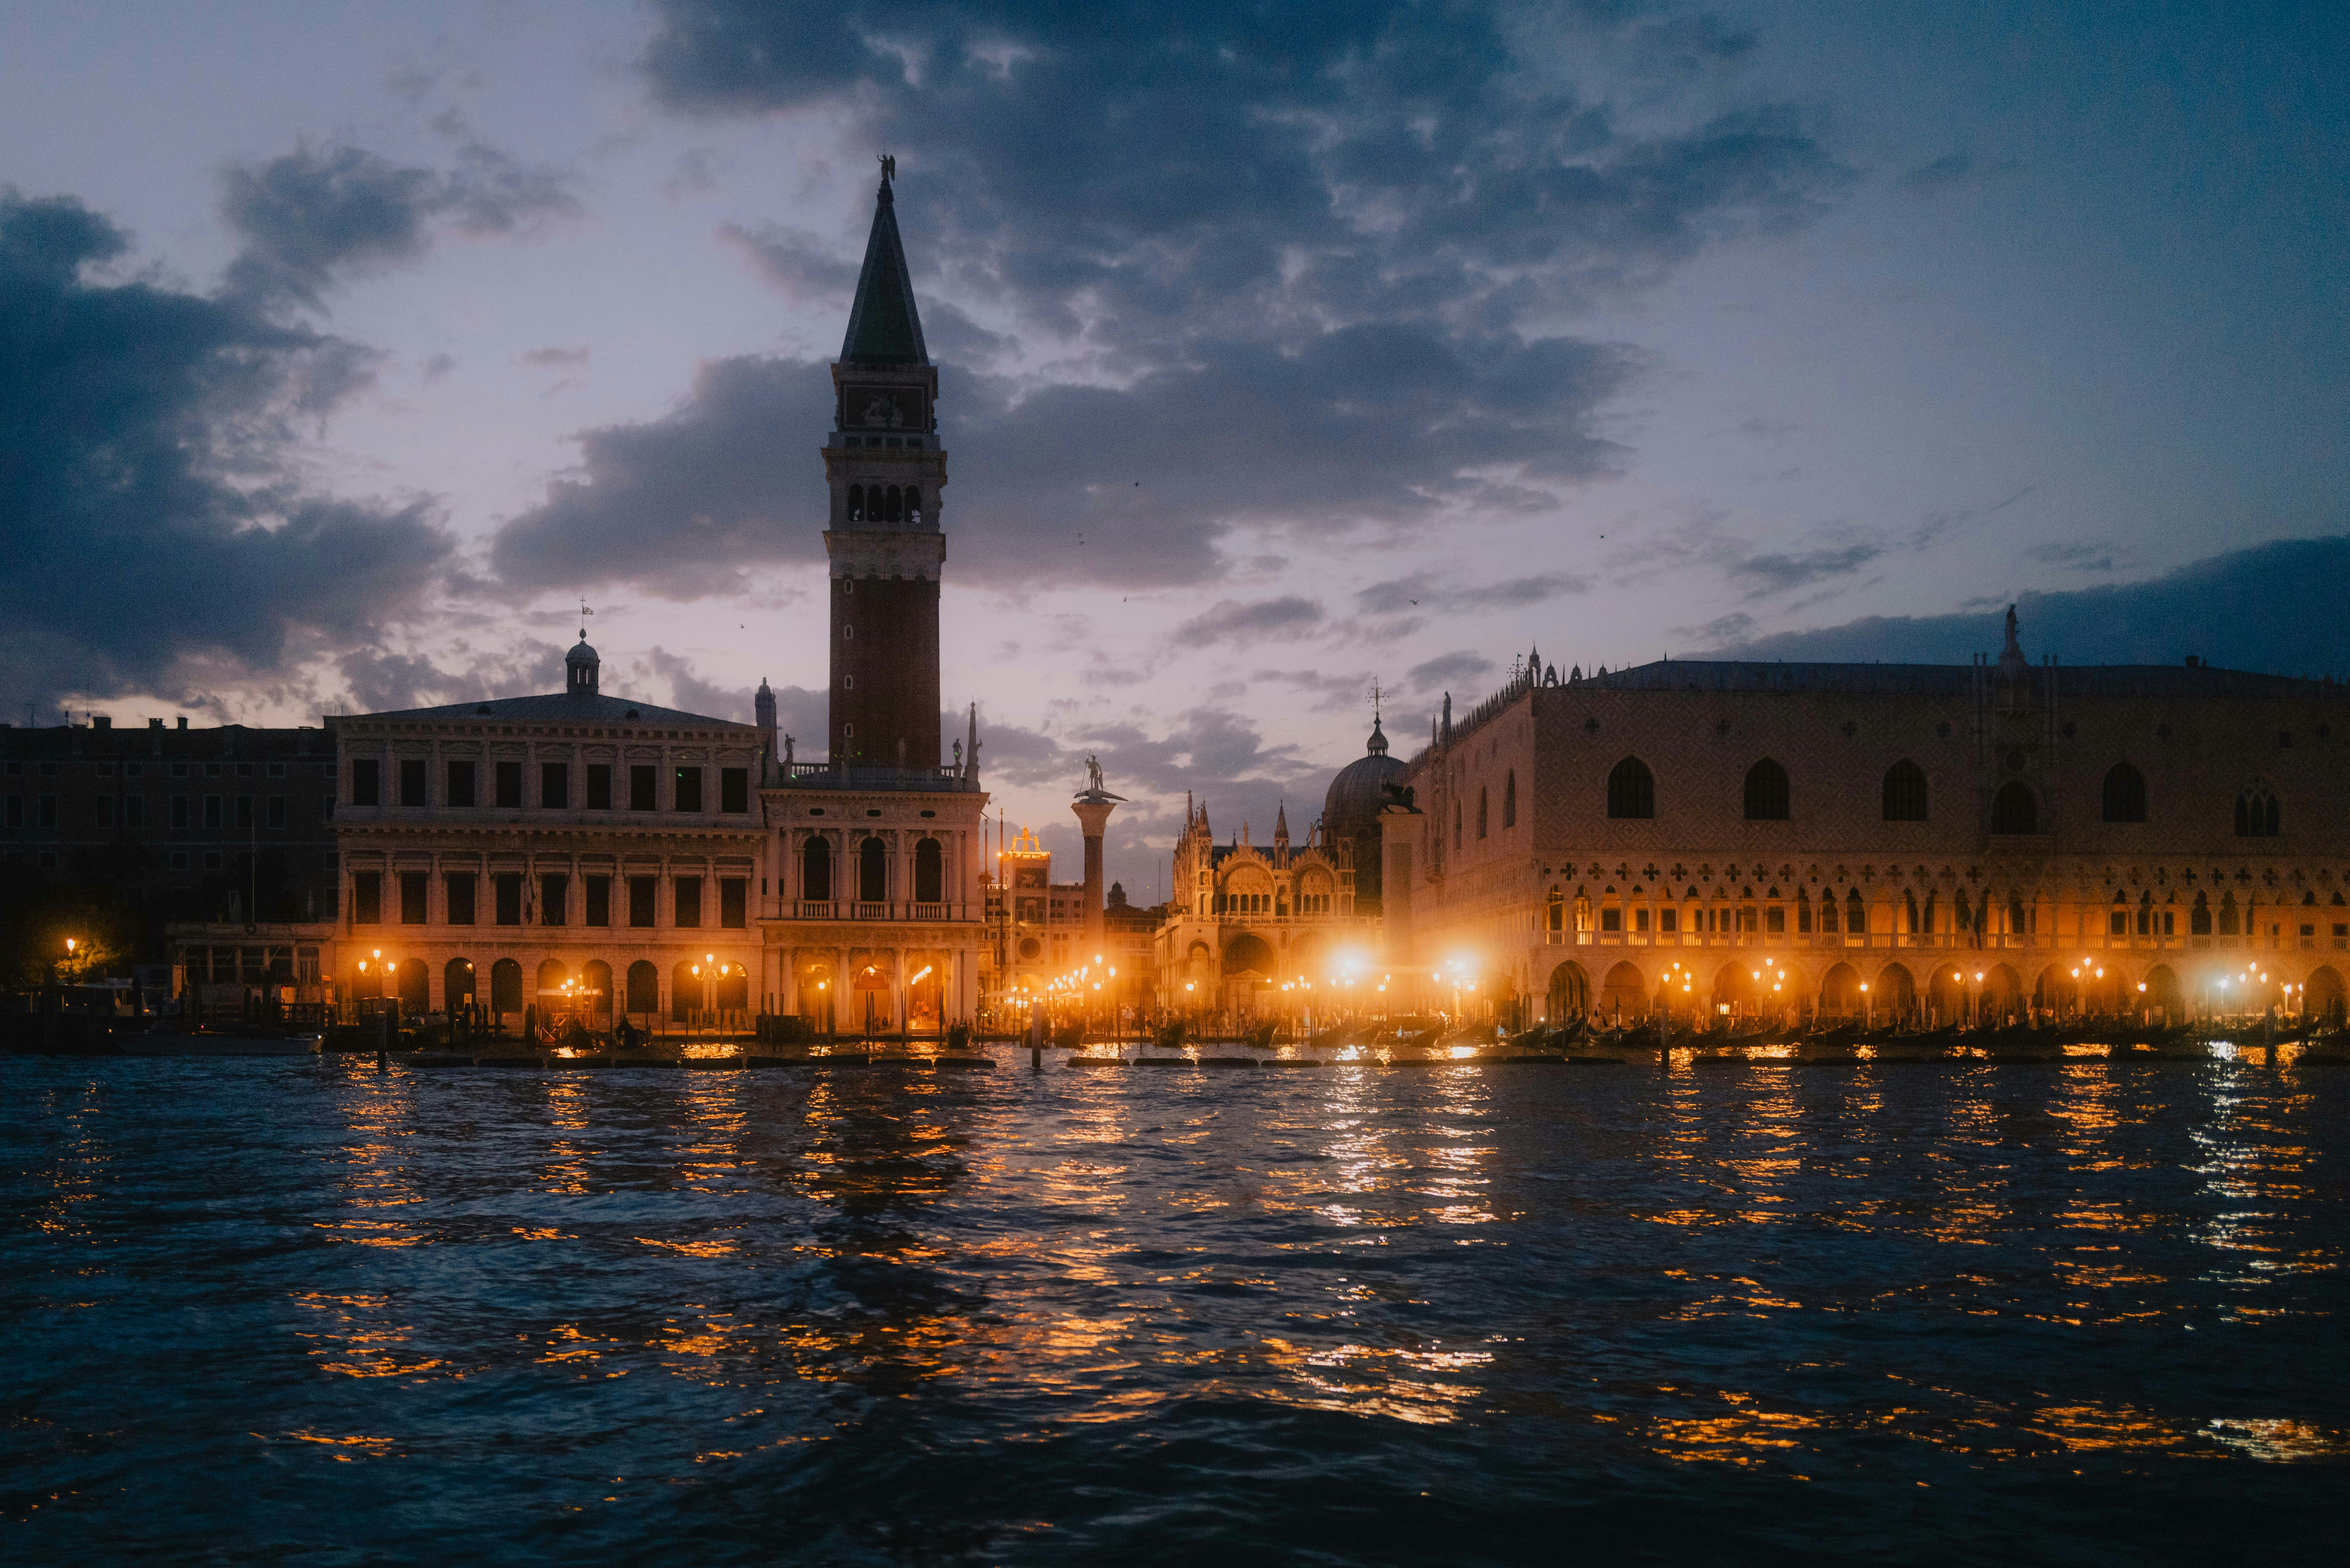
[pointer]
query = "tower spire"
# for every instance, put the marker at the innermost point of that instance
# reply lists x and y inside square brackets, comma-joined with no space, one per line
[884,327]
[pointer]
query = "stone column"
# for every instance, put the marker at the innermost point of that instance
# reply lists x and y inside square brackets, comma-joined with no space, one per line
[1093,809]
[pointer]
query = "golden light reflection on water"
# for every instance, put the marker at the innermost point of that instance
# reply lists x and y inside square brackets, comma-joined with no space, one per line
[1113,1249]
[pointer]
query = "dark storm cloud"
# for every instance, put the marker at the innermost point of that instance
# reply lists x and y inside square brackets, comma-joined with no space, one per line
[2272,607]
[1139,168]
[1080,483]
[683,504]
[1308,242]
[147,513]
[318,215]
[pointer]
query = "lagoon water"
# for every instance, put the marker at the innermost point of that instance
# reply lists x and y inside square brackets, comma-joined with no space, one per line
[308,1312]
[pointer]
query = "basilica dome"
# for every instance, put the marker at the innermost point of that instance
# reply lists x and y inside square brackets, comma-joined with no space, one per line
[1357,793]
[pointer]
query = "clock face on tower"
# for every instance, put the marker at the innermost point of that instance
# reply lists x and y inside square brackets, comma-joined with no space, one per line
[881,408]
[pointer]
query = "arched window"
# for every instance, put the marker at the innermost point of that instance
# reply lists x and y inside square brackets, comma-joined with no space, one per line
[929,872]
[2230,920]
[1855,914]
[1766,792]
[2125,793]
[1905,792]
[872,871]
[913,504]
[2015,809]
[816,873]
[1554,911]
[551,976]
[1480,811]
[644,988]
[857,504]
[2256,815]
[2198,919]
[1631,789]
[505,986]
[892,504]
[1510,800]
[457,983]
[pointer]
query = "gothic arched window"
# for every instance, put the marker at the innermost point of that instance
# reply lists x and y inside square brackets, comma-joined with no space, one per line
[1631,789]
[857,504]
[2125,793]
[1905,792]
[1480,811]
[1855,914]
[1766,792]
[929,872]
[1510,799]
[872,871]
[2015,809]
[2256,814]
[815,870]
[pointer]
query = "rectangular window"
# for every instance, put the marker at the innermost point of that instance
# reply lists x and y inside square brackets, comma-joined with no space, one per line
[599,786]
[507,886]
[102,811]
[689,901]
[2118,923]
[363,782]
[1639,920]
[733,789]
[1828,917]
[1611,918]
[15,817]
[2170,918]
[689,790]
[244,811]
[510,784]
[411,781]
[134,811]
[460,783]
[179,861]
[554,786]
[600,900]
[276,810]
[640,900]
[367,898]
[179,811]
[554,892]
[212,814]
[48,811]
[412,898]
[276,770]
[460,887]
[640,786]
[734,902]
[1668,921]
[1775,921]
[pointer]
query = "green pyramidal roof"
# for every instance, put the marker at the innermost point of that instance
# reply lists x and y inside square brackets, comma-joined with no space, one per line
[884,328]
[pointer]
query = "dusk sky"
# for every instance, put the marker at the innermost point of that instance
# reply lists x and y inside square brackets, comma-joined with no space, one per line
[345,349]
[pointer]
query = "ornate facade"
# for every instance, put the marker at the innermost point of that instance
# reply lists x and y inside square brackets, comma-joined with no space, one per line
[1244,919]
[1709,835]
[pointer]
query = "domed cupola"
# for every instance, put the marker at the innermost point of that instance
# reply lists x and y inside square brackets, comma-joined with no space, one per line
[579,670]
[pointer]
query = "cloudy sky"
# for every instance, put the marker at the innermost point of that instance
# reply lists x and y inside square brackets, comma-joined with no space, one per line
[344,349]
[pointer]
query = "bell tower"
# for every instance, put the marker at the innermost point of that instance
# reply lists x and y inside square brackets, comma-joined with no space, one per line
[886,470]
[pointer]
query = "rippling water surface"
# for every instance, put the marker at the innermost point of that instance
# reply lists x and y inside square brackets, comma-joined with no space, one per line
[309,1313]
